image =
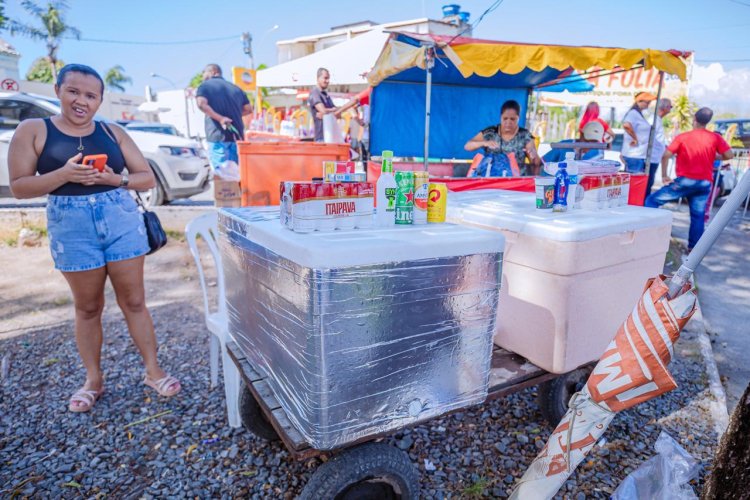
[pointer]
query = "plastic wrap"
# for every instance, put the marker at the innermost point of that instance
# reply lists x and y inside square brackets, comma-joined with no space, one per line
[355,351]
[663,477]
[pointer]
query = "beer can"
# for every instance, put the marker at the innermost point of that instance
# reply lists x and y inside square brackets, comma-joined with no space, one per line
[365,204]
[437,198]
[325,194]
[344,205]
[303,197]
[421,186]
[404,197]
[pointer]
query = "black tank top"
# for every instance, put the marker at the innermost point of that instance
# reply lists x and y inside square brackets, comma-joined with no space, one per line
[59,148]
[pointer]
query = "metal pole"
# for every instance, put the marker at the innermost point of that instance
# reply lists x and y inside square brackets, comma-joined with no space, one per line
[652,133]
[709,237]
[429,63]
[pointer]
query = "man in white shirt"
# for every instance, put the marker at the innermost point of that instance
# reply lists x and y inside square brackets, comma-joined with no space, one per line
[663,108]
[637,128]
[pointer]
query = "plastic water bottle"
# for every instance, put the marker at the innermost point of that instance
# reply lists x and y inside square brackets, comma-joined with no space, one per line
[562,185]
[575,191]
[385,195]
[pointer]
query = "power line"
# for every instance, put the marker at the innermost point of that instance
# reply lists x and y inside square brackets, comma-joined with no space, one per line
[140,42]
[741,3]
[491,8]
[720,60]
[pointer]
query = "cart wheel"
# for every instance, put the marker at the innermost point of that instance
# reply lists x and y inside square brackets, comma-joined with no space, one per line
[554,395]
[372,471]
[253,418]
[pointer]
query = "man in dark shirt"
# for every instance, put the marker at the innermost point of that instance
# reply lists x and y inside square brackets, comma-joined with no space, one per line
[224,105]
[321,103]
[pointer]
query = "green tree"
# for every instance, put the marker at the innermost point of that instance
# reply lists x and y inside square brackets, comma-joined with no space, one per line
[41,71]
[3,19]
[51,27]
[116,78]
[196,81]
[682,113]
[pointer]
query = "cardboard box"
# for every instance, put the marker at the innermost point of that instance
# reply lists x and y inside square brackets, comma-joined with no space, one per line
[227,193]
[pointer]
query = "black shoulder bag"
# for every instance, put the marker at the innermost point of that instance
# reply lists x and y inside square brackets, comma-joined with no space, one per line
[157,238]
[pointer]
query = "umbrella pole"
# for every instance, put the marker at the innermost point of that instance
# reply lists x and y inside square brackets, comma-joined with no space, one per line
[652,133]
[429,63]
[709,237]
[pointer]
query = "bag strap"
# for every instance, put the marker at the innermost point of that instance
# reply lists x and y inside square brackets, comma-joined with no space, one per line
[109,132]
[140,201]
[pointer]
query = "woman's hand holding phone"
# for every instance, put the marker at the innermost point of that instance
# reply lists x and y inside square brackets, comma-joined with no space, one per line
[74,171]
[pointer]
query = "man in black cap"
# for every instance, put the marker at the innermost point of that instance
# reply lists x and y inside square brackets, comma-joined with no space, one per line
[696,151]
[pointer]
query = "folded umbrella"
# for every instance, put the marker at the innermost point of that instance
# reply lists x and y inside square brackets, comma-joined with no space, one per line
[633,368]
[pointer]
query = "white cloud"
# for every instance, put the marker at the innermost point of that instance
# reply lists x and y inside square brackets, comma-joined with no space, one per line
[721,90]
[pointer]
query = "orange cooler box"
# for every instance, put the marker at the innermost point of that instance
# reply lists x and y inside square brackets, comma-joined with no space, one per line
[263,165]
[569,279]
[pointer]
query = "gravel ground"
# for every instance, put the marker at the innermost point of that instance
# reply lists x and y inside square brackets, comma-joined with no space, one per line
[135,444]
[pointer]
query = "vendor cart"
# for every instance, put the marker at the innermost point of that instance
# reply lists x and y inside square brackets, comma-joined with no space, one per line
[338,347]
[370,468]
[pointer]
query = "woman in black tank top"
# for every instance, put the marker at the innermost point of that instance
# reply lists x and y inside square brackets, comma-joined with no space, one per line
[94,226]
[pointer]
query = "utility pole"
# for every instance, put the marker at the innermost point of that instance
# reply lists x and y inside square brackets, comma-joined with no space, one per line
[247,47]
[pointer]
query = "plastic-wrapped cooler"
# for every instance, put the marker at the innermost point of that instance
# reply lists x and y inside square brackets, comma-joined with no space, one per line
[362,332]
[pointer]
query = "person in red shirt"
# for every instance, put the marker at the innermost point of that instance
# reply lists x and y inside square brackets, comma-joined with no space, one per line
[696,151]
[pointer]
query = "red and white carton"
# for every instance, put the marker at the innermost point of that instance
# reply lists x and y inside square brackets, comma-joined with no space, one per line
[325,206]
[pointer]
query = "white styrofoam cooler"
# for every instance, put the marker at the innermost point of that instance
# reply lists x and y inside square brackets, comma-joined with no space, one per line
[569,279]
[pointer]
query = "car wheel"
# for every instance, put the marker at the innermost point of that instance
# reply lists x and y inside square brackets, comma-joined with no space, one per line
[155,196]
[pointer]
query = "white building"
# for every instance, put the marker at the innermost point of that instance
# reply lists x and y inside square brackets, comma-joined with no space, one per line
[8,63]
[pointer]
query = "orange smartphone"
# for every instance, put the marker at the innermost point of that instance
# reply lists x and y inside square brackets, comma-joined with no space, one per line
[96,161]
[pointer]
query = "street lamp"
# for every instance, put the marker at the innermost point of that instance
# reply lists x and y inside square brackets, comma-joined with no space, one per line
[173,84]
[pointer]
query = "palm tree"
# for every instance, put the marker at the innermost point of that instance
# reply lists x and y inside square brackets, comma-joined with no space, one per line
[116,77]
[52,30]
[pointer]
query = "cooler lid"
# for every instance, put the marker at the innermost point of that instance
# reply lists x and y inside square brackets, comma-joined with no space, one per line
[357,247]
[515,211]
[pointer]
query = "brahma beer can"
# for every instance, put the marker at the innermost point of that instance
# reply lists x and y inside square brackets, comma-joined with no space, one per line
[437,198]
[404,197]
[421,186]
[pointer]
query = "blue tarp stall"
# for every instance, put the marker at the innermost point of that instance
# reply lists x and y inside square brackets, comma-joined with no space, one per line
[460,107]
[469,81]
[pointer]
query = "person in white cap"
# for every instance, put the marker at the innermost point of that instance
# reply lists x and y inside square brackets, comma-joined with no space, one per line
[593,131]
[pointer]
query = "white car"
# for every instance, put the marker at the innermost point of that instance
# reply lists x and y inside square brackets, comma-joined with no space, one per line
[179,164]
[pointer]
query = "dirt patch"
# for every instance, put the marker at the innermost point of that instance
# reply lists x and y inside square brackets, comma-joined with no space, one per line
[36,296]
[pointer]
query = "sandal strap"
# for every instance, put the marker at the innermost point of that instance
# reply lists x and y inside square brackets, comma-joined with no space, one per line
[164,383]
[84,396]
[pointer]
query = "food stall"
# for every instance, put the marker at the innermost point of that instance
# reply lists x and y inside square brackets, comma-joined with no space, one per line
[431,93]
[344,336]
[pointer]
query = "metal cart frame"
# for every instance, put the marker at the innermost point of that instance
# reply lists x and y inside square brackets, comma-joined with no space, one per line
[369,469]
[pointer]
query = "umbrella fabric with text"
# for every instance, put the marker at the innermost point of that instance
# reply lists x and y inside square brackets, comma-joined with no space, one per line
[633,369]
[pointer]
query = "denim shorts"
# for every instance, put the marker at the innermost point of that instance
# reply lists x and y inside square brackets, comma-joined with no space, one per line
[221,152]
[86,232]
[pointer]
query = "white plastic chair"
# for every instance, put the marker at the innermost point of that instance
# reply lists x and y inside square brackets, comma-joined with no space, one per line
[206,226]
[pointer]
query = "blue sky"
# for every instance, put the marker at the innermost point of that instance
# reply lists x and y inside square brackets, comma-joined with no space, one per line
[717,30]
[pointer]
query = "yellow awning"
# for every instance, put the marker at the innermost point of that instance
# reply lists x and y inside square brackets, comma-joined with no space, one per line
[486,58]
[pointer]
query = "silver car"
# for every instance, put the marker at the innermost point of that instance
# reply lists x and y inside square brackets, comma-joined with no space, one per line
[179,164]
